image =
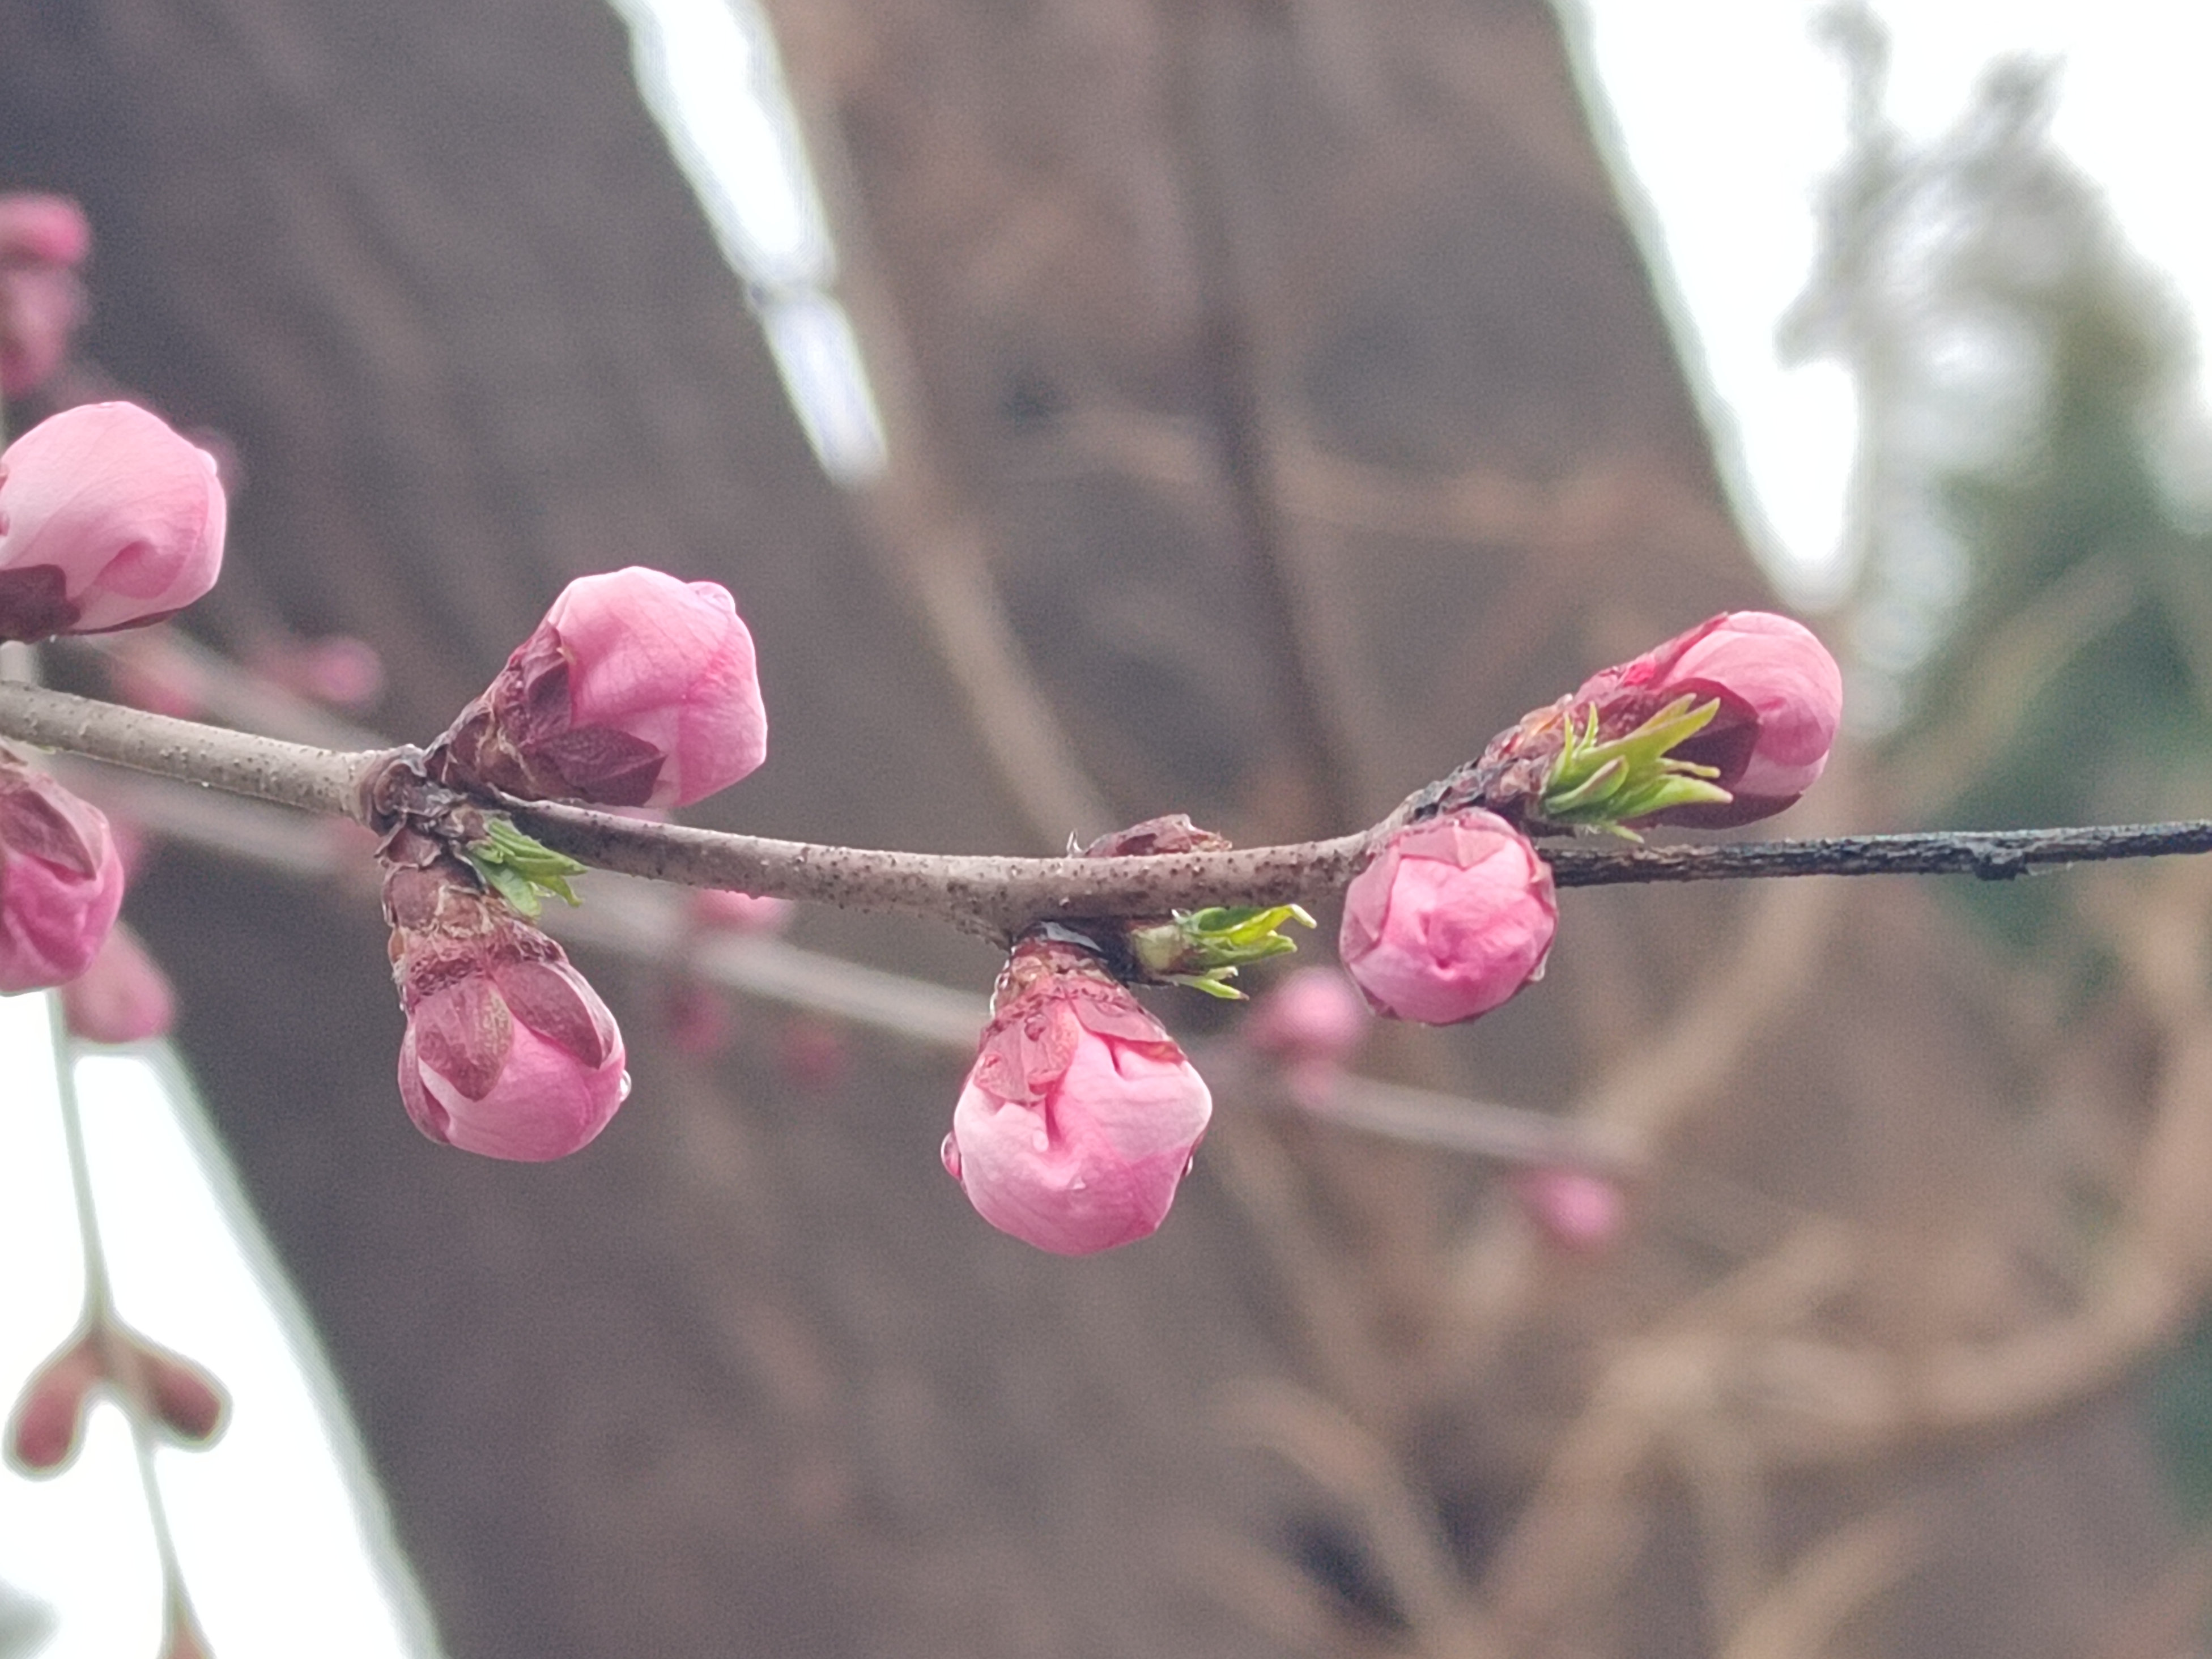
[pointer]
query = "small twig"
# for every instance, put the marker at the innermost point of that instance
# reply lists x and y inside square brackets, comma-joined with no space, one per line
[1000,896]
[238,763]
[1991,854]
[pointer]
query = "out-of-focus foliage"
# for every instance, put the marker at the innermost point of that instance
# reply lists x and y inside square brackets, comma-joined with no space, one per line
[2034,615]
[2033,620]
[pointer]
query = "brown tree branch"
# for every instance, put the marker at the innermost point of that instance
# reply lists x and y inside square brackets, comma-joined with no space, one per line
[1000,896]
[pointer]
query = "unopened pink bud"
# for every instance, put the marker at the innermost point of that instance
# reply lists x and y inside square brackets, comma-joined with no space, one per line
[1574,1211]
[108,519]
[1080,1114]
[519,1060]
[1315,1017]
[1450,920]
[508,1052]
[637,689]
[724,910]
[1781,699]
[60,882]
[123,997]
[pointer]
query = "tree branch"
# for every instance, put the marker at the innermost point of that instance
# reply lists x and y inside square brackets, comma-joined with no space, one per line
[996,895]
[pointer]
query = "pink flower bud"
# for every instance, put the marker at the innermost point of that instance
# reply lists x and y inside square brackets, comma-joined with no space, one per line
[60,882]
[508,1052]
[1450,920]
[188,1402]
[108,519]
[637,689]
[123,997]
[1781,700]
[1080,1114]
[1576,1211]
[1314,1016]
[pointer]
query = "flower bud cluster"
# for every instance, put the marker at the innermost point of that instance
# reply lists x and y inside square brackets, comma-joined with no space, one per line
[1729,722]
[636,691]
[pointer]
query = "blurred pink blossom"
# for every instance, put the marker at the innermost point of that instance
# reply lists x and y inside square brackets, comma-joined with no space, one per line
[720,910]
[637,689]
[1450,920]
[43,239]
[36,228]
[1313,1016]
[48,1416]
[337,669]
[1574,1210]
[812,1054]
[508,1051]
[108,519]
[697,1019]
[61,880]
[123,997]
[1781,700]
[1080,1114]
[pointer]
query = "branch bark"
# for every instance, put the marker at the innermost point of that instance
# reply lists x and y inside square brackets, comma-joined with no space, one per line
[997,896]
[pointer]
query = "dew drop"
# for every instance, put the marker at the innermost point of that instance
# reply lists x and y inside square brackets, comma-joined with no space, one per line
[950,1153]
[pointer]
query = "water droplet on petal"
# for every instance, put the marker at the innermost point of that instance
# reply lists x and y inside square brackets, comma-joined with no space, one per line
[624,1095]
[950,1153]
